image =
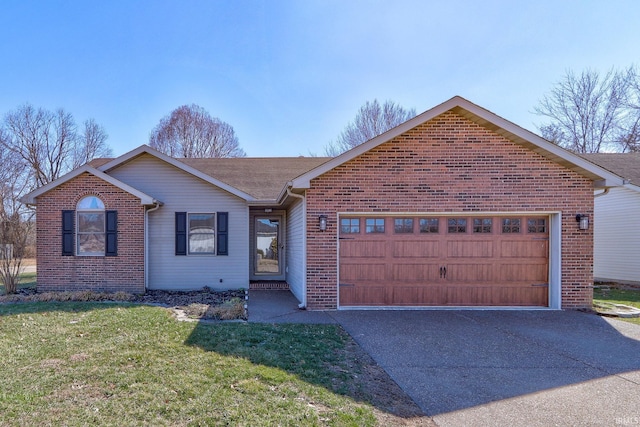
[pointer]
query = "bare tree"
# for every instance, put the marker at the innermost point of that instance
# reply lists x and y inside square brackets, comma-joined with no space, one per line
[92,144]
[190,131]
[49,143]
[588,112]
[630,135]
[37,146]
[371,120]
[15,219]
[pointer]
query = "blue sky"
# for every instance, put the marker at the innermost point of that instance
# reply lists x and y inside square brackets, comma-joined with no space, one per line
[289,75]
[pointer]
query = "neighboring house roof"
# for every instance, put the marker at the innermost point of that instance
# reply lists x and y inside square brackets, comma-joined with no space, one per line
[487,119]
[627,165]
[145,199]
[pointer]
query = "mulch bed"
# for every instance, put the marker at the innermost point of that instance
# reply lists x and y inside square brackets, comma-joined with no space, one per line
[205,303]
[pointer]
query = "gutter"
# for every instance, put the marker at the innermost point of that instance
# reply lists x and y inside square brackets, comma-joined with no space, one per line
[606,190]
[303,304]
[156,206]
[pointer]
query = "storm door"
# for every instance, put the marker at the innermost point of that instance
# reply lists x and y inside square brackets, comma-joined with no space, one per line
[268,248]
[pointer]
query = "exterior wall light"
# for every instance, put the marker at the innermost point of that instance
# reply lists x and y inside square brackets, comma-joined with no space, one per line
[583,221]
[322,222]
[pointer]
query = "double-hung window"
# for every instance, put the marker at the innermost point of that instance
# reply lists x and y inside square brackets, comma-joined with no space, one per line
[202,233]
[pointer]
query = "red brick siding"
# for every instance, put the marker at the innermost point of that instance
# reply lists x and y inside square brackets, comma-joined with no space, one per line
[449,164]
[124,272]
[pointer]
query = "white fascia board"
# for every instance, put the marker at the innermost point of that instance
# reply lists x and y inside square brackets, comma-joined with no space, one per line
[608,179]
[145,199]
[632,187]
[178,164]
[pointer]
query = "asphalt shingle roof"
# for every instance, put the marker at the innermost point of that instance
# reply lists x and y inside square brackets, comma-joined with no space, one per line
[627,165]
[262,177]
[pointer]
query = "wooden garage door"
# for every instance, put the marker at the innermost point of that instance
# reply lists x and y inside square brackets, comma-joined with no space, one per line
[444,261]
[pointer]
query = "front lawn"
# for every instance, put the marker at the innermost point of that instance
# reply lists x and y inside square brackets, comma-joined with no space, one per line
[78,364]
[618,296]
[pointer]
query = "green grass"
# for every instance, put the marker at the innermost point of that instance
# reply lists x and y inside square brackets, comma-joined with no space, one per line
[619,296]
[79,364]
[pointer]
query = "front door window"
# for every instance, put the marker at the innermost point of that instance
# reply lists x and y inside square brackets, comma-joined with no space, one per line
[267,246]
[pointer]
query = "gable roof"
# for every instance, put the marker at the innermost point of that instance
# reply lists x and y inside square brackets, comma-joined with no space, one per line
[145,199]
[627,165]
[145,149]
[601,177]
[263,178]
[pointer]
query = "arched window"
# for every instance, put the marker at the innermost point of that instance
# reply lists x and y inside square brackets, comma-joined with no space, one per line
[90,231]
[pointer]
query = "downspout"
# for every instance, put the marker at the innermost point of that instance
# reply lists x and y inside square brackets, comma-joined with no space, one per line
[604,193]
[303,304]
[155,207]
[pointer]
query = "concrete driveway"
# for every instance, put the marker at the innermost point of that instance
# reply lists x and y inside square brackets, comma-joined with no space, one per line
[515,368]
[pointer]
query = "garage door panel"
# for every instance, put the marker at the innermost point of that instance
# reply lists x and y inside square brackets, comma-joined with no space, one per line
[462,273]
[531,273]
[415,273]
[524,249]
[364,295]
[363,249]
[468,295]
[416,249]
[362,273]
[524,295]
[470,249]
[417,295]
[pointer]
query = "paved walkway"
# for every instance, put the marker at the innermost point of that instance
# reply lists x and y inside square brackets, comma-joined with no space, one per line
[479,368]
[282,307]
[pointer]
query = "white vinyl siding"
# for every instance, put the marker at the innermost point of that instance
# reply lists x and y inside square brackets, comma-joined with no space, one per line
[182,192]
[296,250]
[616,229]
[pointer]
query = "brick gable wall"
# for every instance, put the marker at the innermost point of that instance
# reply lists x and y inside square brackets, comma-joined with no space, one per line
[449,164]
[124,272]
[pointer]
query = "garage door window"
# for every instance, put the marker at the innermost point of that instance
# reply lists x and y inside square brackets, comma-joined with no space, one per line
[403,225]
[537,225]
[374,225]
[429,225]
[482,225]
[457,225]
[350,225]
[510,225]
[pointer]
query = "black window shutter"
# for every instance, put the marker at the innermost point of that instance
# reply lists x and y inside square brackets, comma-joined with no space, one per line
[111,239]
[223,233]
[68,232]
[181,233]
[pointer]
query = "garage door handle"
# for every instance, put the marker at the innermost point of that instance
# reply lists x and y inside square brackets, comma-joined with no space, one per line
[540,285]
[441,272]
[445,272]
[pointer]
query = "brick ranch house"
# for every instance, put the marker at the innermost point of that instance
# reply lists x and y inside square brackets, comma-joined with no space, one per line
[455,207]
